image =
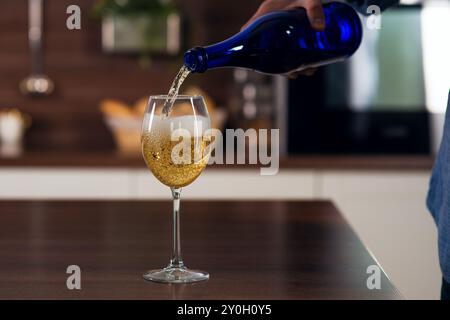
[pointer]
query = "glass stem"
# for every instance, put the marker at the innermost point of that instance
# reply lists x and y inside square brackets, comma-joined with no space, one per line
[176,261]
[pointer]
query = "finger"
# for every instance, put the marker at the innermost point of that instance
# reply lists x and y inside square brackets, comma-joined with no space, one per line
[253,18]
[262,10]
[313,8]
[309,72]
[306,72]
[266,7]
[315,14]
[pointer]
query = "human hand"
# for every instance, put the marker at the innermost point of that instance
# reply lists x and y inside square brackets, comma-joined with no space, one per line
[313,9]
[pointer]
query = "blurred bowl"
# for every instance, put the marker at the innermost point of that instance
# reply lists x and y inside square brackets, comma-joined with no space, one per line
[126,132]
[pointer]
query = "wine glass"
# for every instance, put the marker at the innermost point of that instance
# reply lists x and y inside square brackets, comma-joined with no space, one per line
[176,148]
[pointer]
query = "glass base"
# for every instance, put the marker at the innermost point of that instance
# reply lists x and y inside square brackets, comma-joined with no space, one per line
[176,275]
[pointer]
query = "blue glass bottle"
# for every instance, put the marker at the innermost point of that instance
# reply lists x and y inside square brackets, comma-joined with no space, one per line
[284,41]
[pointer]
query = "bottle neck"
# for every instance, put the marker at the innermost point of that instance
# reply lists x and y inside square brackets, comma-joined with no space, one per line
[196,60]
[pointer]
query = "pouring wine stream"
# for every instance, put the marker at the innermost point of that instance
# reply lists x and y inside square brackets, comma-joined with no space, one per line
[174,89]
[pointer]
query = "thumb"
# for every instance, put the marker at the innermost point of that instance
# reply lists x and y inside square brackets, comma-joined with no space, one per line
[261,11]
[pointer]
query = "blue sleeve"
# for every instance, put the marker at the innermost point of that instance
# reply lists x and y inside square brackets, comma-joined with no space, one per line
[438,199]
[362,5]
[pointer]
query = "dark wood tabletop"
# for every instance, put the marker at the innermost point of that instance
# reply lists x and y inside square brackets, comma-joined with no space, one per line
[252,250]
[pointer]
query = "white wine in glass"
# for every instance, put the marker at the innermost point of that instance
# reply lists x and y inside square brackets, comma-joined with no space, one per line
[176,148]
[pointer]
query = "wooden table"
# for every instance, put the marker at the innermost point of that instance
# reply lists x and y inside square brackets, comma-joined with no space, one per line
[252,250]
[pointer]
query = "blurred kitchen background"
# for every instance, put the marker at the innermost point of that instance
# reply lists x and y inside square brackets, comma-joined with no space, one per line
[362,133]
